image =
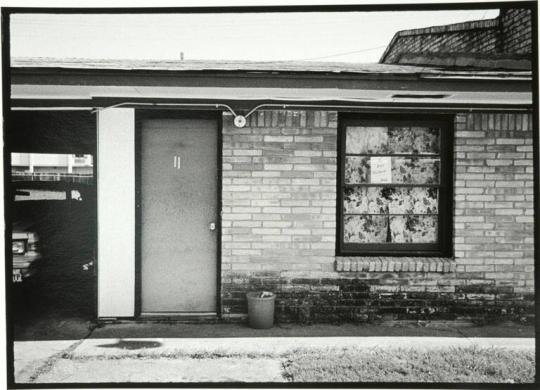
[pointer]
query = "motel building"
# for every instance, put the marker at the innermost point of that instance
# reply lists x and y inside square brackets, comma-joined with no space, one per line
[401,190]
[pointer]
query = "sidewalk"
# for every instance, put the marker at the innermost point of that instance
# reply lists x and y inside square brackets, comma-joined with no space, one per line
[125,353]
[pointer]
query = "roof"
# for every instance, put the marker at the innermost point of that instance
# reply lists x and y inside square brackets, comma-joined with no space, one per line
[252,66]
[377,86]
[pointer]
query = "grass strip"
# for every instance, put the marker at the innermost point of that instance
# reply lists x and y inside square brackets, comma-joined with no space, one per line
[174,354]
[444,365]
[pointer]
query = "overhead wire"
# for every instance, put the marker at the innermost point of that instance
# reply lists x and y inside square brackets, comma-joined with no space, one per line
[341,54]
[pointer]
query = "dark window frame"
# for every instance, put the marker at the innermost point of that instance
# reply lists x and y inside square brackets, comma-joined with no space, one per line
[445,215]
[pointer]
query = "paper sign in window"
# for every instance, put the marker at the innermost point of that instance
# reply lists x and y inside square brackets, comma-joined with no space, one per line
[381,170]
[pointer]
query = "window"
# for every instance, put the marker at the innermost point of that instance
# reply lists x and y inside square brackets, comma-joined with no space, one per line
[394,187]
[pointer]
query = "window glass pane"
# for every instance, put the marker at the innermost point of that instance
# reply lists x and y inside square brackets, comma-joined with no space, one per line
[404,170]
[414,229]
[413,140]
[365,229]
[413,170]
[415,200]
[364,200]
[392,140]
[366,140]
[356,170]
[390,200]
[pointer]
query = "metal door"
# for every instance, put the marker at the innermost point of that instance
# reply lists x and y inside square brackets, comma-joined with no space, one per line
[178,184]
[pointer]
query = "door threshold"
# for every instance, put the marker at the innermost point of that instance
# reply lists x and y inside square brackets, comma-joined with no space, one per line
[179,314]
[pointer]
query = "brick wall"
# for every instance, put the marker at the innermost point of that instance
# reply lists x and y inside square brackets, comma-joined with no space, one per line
[279,178]
[472,37]
[494,220]
[279,205]
[510,33]
[516,29]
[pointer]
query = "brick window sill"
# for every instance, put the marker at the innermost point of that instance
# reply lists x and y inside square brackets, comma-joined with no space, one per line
[395,264]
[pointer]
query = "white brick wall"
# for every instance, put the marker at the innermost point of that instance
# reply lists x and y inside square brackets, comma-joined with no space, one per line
[279,212]
[279,181]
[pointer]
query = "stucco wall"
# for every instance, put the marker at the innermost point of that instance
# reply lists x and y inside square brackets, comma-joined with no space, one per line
[279,218]
[116,213]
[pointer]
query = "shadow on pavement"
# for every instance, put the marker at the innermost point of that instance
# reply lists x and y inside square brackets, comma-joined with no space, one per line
[132,344]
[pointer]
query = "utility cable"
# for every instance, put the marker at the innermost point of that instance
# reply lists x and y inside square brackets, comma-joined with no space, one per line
[340,54]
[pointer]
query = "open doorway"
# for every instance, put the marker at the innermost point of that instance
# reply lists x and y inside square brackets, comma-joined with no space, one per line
[51,208]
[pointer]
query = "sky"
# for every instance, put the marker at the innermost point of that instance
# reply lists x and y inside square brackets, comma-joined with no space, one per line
[339,36]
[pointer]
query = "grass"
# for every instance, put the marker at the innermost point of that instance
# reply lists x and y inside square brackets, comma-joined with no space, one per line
[470,365]
[353,364]
[173,355]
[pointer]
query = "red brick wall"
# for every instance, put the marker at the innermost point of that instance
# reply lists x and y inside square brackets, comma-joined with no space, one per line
[279,219]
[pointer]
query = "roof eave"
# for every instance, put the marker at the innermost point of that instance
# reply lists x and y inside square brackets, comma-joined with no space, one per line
[422,72]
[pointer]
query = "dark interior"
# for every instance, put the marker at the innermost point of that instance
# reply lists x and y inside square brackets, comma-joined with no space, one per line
[63,288]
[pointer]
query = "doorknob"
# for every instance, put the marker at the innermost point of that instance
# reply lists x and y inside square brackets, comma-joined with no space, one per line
[212,226]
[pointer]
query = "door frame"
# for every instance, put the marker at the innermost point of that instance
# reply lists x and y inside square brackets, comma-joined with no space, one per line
[153,113]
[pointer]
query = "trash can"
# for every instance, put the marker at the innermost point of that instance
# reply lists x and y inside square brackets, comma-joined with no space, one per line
[261,309]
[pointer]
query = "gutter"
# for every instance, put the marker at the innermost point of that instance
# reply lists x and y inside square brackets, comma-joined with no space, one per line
[360,106]
[241,120]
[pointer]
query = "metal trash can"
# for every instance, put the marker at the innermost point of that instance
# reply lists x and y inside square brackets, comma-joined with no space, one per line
[261,309]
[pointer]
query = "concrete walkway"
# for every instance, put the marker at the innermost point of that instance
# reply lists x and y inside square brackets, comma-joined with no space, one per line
[30,355]
[164,371]
[154,360]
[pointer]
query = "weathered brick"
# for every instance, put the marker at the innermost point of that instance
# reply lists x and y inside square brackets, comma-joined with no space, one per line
[279,216]
[277,138]
[278,167]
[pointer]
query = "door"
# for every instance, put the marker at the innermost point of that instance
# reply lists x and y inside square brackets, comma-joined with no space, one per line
[178,184]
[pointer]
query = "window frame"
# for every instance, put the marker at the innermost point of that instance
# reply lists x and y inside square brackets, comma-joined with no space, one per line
[442,248]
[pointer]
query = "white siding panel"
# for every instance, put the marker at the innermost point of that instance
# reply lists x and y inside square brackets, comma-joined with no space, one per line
[116,212]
